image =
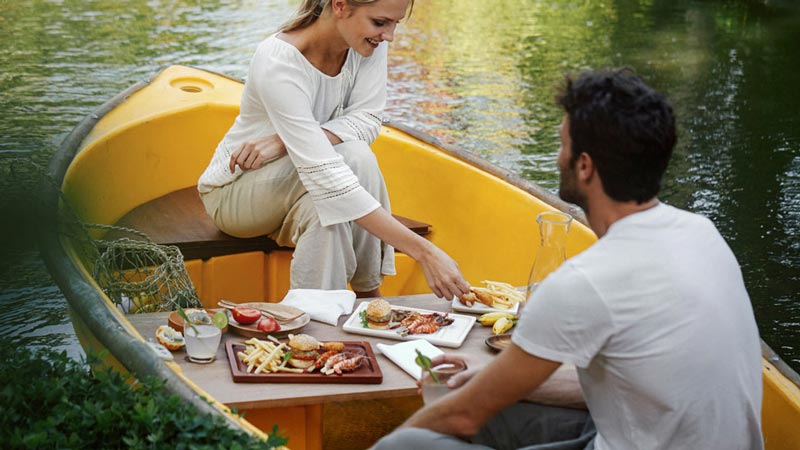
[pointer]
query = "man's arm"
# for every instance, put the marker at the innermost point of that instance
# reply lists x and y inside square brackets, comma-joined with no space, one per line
[562,389]
[508,379]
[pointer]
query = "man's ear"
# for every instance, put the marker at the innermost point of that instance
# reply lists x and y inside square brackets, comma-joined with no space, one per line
[584,167]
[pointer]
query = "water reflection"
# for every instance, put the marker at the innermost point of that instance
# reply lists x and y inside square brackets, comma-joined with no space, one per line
[473,73]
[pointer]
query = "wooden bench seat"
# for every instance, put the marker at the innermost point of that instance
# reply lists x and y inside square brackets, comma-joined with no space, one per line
[179,218]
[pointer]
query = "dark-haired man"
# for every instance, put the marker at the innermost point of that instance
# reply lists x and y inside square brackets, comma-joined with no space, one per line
[654,315]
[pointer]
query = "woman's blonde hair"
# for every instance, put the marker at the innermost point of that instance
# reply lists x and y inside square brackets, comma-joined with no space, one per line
[309,10]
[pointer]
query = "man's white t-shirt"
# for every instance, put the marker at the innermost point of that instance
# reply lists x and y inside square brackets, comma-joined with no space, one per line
[657,320]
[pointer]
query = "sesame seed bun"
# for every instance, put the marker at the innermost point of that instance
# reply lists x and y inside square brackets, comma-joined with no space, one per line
[379,308]
[379,314]
[303,343]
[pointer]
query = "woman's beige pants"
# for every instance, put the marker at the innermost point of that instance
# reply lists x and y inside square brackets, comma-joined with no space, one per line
[273,201]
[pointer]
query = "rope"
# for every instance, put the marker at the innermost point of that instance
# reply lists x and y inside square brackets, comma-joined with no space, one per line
[137,274]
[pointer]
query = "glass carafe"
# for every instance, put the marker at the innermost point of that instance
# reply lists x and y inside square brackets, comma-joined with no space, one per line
[553,229]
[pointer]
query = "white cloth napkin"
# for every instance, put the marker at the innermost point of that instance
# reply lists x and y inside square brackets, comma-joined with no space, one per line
[404,354]
[322,306]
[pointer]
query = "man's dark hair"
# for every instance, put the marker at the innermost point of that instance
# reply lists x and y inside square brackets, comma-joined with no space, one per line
[625,126]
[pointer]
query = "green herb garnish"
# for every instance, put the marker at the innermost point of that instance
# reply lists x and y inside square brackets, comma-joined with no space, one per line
[286,357]
[186,320]
[425,362]
[363,315]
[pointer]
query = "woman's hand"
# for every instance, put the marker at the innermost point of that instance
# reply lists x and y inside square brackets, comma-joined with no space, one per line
[442,273]
[255,154]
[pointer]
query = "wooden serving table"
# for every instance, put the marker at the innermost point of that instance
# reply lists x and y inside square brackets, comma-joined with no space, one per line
[328,416]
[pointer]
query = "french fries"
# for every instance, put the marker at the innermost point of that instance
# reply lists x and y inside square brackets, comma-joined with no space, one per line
[502,295]
[265,356]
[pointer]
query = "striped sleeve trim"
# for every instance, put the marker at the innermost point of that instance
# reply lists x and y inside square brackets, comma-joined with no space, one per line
[328,180]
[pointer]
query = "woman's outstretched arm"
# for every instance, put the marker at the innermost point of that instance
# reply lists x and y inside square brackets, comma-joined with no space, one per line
[441,271]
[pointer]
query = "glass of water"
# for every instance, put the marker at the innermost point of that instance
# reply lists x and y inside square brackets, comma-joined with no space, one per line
[201,346]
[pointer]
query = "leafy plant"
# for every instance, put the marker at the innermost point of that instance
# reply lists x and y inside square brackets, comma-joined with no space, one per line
[363,316]
[53,402]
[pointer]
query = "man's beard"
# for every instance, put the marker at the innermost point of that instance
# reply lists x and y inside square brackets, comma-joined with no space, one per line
[568,188]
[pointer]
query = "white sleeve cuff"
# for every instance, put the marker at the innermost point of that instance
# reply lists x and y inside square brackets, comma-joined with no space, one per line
[345,208]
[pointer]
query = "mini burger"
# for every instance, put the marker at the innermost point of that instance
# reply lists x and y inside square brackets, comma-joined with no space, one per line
[304,351]
[379,314]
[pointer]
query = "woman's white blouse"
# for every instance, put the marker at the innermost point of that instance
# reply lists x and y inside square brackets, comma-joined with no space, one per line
[285,94]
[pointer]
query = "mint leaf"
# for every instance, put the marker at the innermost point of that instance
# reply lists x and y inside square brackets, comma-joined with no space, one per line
[186,320]
[425,362]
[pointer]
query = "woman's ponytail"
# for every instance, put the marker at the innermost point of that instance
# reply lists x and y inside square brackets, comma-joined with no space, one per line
[308,12]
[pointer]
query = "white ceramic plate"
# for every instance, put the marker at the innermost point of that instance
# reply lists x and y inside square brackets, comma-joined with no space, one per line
[452,335]
[480,308]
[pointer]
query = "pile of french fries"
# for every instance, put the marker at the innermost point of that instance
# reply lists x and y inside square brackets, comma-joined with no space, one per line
[504,295]
[265,356]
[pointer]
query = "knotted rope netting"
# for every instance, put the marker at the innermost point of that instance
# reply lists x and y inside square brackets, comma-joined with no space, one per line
[136,273]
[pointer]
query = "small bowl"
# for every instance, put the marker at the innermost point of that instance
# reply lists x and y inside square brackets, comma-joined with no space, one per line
[498,342]
[176,321]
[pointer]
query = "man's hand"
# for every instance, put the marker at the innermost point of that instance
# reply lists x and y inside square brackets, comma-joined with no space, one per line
[458,379]
[508,379]
[255,154]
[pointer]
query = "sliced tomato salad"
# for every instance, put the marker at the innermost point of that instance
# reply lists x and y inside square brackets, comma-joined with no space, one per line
[269,325]
[245,315]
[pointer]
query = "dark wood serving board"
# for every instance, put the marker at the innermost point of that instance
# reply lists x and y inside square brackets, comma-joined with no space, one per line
[368,373]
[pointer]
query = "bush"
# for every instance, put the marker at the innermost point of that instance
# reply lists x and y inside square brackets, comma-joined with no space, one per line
[51,401]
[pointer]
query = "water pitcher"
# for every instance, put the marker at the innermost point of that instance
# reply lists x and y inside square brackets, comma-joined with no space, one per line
[553,229]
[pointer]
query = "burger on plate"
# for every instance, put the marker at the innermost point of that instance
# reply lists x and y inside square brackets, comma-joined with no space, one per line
[304,351]
[379,314]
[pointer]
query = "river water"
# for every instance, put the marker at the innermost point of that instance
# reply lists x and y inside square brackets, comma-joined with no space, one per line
[477,74]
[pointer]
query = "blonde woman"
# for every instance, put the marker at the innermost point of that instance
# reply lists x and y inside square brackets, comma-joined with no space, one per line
[296,164]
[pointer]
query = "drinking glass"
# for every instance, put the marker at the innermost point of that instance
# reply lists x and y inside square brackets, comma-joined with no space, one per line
[431,390]
[201,346]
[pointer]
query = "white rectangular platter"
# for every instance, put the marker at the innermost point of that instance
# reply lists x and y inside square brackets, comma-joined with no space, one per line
[452,335]
[480,308]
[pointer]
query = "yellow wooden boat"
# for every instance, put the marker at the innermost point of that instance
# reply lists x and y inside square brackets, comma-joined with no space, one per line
[154,140]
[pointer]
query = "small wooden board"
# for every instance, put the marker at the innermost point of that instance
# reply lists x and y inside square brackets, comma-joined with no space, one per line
[368,373]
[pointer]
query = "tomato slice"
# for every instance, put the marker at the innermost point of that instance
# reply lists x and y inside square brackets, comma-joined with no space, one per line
[269,325]
[245,315]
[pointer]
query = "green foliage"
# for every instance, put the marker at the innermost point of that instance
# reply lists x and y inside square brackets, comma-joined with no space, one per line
[363,316]
[51,401]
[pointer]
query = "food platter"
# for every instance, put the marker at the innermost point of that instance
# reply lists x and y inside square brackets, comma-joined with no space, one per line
[480,308]
[252,330]
[498,342]
[369,373]
[452,335]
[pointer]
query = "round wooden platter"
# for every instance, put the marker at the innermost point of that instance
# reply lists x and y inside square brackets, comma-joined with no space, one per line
[176,321]
[252,330]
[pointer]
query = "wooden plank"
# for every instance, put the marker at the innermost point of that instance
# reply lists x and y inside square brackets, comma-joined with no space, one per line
[179,218]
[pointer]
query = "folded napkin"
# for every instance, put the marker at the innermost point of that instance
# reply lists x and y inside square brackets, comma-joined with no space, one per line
[322,306]
[404,354]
